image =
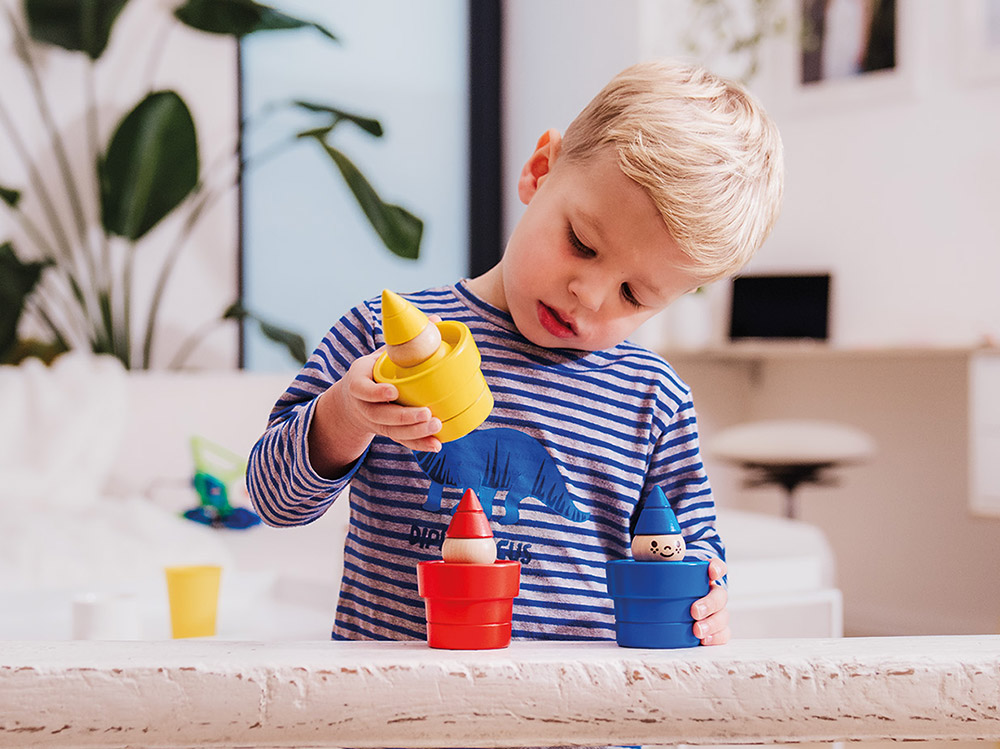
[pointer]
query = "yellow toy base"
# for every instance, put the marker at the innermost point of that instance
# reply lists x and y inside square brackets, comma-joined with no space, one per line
[450,384]
[469,419]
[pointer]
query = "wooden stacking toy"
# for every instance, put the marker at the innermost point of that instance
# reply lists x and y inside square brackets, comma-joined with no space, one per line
[436,365]
[468,595]
[653,592]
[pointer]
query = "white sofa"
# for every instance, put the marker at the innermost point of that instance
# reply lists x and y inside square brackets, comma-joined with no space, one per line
[102,514]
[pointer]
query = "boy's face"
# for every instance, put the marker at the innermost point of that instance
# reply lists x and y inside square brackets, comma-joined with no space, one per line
[591,259]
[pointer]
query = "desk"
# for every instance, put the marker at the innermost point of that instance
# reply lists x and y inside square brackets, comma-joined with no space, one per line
[325,694]
[980,375]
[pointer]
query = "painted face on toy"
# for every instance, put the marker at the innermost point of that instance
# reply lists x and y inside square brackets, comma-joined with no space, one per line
[668,548]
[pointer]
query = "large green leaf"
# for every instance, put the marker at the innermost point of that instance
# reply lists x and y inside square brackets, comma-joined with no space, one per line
[150,167]
[399,229]
[78,25]
[10,196]
[294,343]
[17,281]
[240,17]
[368,124]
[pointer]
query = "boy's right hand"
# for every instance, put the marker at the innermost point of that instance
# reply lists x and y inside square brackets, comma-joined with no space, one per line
[356,408]
[370,405]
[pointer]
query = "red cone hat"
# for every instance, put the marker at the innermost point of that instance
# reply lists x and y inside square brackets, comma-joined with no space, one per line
[469,520]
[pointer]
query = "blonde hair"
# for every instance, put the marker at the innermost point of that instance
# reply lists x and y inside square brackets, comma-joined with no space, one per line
[704,150]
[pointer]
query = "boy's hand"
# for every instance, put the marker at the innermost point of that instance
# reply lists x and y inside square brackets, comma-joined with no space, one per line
[711,618]
[356,408]
[369,406]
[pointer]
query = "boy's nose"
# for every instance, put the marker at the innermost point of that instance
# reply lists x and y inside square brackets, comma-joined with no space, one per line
[589,292]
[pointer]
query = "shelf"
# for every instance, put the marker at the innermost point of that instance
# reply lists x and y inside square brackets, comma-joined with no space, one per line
[765,350]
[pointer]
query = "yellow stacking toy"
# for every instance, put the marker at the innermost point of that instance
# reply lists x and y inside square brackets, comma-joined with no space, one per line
[434,365]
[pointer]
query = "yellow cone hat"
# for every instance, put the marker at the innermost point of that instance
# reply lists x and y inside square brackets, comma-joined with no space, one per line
[401,320]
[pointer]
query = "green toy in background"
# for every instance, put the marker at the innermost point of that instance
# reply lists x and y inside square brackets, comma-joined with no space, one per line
[215,469]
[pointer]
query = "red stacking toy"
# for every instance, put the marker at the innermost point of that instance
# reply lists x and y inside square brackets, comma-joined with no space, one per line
[468,596]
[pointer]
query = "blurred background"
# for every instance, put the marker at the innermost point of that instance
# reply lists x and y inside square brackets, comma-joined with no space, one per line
[299,205]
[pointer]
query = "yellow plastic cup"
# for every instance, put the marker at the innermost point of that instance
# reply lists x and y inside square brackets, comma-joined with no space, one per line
[194,599]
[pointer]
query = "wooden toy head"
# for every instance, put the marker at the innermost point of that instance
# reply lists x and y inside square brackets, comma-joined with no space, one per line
[658,536]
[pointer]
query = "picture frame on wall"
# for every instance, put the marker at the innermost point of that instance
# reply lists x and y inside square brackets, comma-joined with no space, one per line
[979,41]
[850,52]
[846,38]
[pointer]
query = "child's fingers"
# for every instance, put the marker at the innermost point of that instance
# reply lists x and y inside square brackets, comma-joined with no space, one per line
[714,630]
[713,624]
[361,385]
[411,427]
[709,612]
[715,601]
[411,421]
[423,445]
[369,391]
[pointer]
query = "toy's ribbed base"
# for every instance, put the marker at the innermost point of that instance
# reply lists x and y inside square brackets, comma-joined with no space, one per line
[462,423]
[653,601]
[661,635]
[468,636]
[468,606]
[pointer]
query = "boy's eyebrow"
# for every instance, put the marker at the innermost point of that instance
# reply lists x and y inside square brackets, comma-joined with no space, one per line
[593,224]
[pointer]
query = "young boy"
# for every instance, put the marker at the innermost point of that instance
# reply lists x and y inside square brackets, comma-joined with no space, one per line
[670,178]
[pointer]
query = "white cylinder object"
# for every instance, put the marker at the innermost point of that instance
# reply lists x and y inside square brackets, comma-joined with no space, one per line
[106,616]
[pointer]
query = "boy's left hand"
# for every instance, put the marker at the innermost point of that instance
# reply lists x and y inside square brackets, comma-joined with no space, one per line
[711,618]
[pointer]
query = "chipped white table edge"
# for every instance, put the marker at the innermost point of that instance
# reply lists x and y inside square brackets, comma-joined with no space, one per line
[361,694]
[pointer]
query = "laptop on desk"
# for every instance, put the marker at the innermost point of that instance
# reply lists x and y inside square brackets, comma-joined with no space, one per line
[780,308]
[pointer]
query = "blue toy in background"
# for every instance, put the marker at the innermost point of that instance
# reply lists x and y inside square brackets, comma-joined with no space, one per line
[215,470]
[654,591]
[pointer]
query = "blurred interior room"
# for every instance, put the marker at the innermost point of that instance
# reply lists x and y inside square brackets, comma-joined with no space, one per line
[252,185]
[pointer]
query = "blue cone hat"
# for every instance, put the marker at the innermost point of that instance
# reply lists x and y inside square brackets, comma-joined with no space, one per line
[657,518]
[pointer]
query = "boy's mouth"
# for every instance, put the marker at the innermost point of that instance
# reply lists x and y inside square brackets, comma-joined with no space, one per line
[555,323]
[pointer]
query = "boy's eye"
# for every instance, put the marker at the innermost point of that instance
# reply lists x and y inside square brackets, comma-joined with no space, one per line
[629,297]
[577,244]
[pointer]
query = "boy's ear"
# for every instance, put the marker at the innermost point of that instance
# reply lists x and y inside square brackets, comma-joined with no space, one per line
[538,165]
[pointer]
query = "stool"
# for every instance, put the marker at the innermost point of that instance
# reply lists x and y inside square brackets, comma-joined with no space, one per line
[791,452]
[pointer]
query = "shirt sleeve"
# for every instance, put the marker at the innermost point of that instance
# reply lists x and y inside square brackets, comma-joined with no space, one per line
[284,488]
[676,467]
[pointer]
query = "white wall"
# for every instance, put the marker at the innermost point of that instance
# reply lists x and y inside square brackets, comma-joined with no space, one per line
[556,55]
[891,184]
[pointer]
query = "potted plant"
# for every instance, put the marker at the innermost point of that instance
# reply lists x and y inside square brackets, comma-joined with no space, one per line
[72,276]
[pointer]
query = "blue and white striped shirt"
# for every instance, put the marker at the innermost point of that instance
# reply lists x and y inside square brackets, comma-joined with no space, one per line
[613,424]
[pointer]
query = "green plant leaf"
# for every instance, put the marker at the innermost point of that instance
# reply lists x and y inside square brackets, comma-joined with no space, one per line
[17,281]
[368,124]
[240,17]
[315,132]
[23,349]
[294,343]
[9,196]
[399,229]
[77,25]
[150,167]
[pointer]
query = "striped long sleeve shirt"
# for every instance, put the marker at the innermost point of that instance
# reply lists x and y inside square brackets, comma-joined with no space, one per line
[575,442]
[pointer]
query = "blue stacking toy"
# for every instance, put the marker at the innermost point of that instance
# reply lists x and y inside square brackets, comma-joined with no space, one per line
[653,598]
